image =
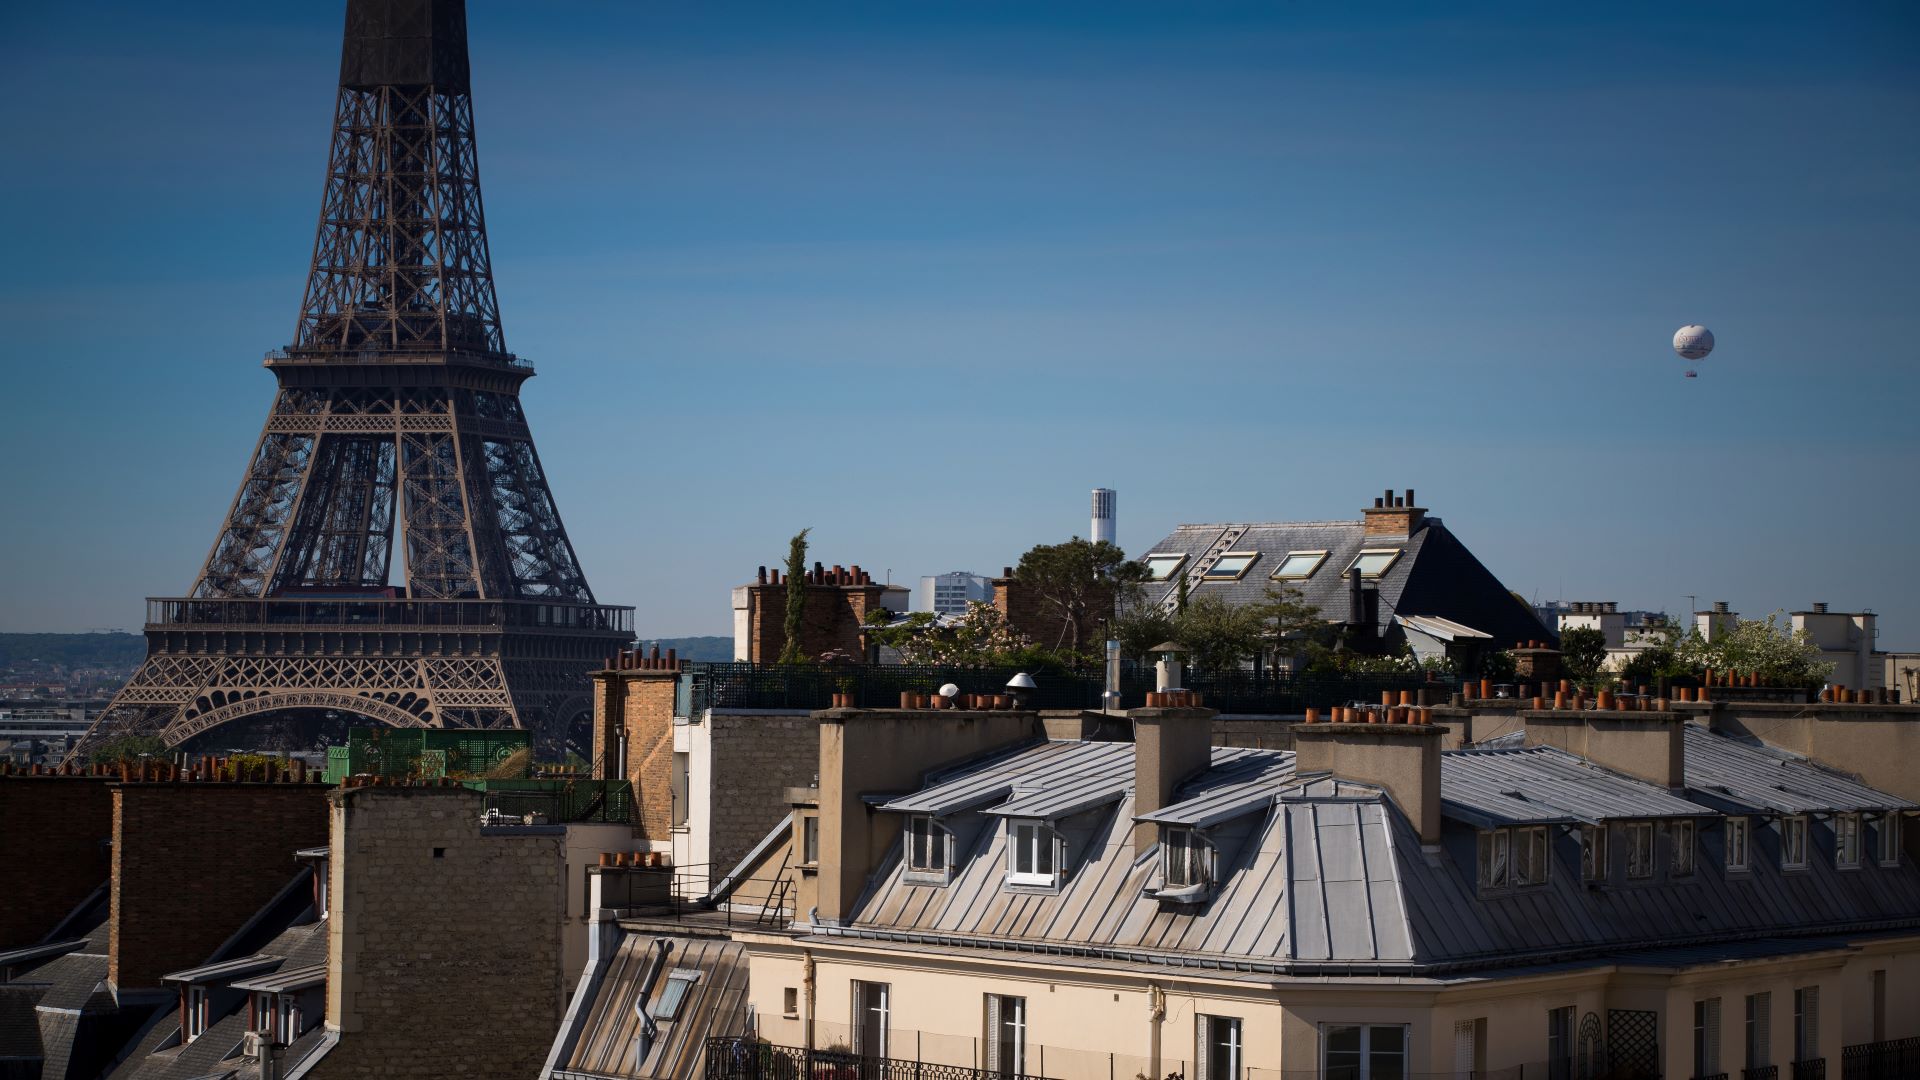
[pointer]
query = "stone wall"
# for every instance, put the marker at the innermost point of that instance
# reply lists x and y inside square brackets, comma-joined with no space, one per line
[53,850]
[444,949]
[755,758]
[193,861]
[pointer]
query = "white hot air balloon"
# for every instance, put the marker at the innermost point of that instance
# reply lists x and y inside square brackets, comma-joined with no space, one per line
[1693,343]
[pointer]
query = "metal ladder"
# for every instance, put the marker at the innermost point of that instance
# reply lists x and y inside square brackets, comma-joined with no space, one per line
[1198,573]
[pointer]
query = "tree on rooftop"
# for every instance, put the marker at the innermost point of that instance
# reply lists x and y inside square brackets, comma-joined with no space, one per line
[1768,647]
[1584,651]
[796,596]
[979,637]
[1078,581]
[129,748]
[1220,636]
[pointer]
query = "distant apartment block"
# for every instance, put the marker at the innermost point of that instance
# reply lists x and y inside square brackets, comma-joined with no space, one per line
[949,594]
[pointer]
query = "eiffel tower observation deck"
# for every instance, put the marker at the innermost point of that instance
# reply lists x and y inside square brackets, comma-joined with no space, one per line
[393,552]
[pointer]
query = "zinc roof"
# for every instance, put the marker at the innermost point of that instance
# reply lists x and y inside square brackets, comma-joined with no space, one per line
[1232,788]
[1544,785]
[608,1023]
[293,978]
[228,969]
[1750,776]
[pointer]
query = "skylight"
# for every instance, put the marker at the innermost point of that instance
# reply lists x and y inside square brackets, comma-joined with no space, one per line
[1163,567]
[1299,565]
[1373,562]
[1232,566]
[667,1006]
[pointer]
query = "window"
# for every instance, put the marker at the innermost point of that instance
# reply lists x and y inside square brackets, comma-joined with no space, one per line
[1030,854]
[1231,567]
[673,994]
[1639,849]
[1218,1048]
[678,783]
[1706,1037]
[1593,852]
[1846,841]
[286,1020]
[1759,1030]
[871,1014]
[1493,858]
[1186,859]
[322,898]
[1560,1041]
[1806,1023]
[1879,980]
[196,1019]
[1680,835]
[1299,565]
[1364,1051]
[1007,1035]
[1793,843]
[1163,567]
[1373,562]
[1737,836]
[926,846]
[810,839]
[260,1011]
[1888,839]
[1530,857]
[790,1002]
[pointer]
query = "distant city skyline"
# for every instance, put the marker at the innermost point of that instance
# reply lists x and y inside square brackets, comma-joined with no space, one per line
[920,278]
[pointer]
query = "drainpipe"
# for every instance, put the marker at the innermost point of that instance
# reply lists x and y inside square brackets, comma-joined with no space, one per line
[806,982]
[1156,1014]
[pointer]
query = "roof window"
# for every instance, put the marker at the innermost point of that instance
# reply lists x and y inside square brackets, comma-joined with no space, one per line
[1373,562]
[1231,567]
[1032,854]
[1299,565]
[673,994]
[1162,567]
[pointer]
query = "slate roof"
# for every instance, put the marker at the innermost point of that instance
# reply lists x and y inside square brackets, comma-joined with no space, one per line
[1435,574]
[1317,875]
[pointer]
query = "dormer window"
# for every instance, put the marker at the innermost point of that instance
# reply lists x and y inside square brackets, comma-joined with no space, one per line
[1681,836]
[196,1013]
[1032,858]
[1793,842]
[1639,850]
[1186,861]
[928,846]
[1739,831]
[1514,857]
[1846,841]
[1593,852]
[1889,839]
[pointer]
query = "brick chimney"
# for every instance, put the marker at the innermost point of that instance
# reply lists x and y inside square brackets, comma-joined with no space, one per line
[839,599]
[1404,759]
[1393,516]
[866,752]
[633,707]
[1170,745]
[1646,745]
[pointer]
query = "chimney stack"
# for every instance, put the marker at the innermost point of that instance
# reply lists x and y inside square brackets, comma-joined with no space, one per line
[1820,607]
[1647,745]
[1403,759]
[1393,516]
[1170,745]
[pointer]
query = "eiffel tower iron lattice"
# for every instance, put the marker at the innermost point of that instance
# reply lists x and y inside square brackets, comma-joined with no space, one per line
[397,424]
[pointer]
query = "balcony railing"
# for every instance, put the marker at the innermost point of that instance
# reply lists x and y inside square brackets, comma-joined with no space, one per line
[1761,1072]
[378,612]
[1810,1069]
[733,1058]
[1895,1059]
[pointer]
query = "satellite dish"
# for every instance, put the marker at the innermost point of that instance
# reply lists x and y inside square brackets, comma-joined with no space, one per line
[1693,343]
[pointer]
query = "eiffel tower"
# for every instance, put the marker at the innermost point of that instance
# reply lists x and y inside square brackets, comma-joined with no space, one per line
[397,427]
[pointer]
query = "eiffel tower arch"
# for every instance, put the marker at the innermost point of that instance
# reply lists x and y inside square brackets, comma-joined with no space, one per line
[393,549]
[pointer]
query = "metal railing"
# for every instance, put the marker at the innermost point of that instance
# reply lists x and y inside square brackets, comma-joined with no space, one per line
[376,612]
[1810,1069]
[559,802]
[740,1058]
[879,686]
[1761,1072]
[679,894]
[1893,1059]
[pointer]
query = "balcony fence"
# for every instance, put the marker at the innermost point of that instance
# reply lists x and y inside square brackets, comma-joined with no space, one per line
[1895,1059]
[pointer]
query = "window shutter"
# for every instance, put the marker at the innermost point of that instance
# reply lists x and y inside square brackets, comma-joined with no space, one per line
[1712,1035]
[993,1033]
[1203,1027]
[1811,1023]
[1463,1049]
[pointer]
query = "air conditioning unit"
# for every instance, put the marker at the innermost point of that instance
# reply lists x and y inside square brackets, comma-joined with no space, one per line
[256,1044]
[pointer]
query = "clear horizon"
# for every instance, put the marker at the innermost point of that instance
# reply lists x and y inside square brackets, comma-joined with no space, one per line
[920,278]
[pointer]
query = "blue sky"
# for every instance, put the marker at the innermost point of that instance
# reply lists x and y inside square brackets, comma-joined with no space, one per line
[918,276]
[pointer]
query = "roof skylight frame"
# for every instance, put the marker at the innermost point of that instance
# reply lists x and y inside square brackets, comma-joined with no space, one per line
[1319,556]
[1393,556]
[1213,572]
[1179,560]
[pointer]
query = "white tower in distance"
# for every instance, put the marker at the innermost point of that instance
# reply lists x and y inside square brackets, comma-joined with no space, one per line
[1103,521]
